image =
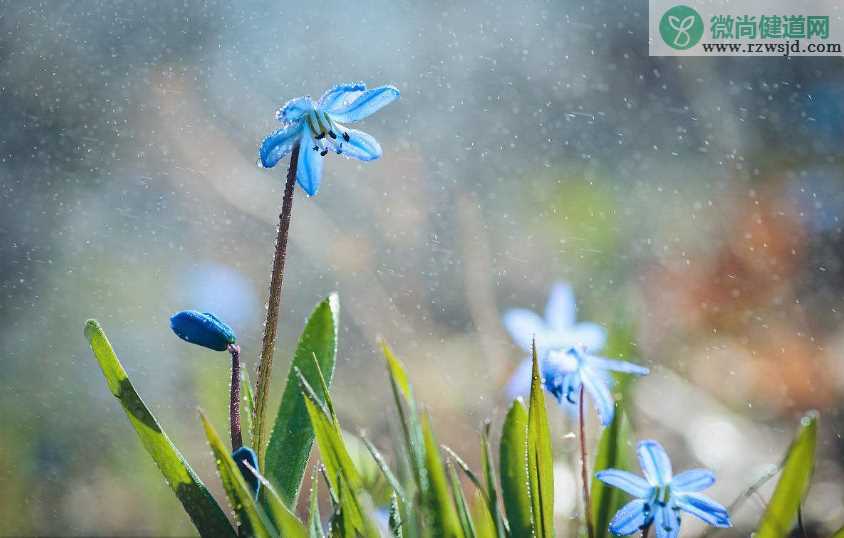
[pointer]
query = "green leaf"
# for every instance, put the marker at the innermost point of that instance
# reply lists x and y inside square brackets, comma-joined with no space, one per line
[794,483]
[385,470]
[489,503]
[513,461]
[292,436]
[314,521]
[440,508]
[839,533]
[239,494]
[463,513]
[540,458]
[613,453]
[395,517]
[248,403]
[403,395]
[206,514]
[284,520]
[491,495]
[342,474]
[483,522]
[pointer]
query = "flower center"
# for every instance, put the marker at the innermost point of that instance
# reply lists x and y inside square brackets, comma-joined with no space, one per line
[321,125]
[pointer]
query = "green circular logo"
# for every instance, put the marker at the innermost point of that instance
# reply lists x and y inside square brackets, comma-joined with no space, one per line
[681,27]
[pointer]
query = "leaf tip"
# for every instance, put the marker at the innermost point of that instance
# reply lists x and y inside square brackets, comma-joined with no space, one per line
[92,328]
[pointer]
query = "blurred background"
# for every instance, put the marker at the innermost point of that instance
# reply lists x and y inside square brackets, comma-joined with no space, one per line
[694,204]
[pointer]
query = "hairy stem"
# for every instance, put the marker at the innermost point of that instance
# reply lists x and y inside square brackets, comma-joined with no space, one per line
[265,361]
[584,472]
[234,398]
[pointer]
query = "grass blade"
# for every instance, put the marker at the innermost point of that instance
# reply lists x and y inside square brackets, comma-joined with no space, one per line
[285,521]
[613,453]
[239,494]
[314,520]
[540,458]
[248,403]
[207,516]
[513,463]
[491,496]
[395,517]
[292,436]
[440,508]
[462,506]
[793,484]
[385,470]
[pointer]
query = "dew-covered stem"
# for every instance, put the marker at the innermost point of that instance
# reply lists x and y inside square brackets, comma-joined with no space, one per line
[234,398]
[584,471]
[265,361]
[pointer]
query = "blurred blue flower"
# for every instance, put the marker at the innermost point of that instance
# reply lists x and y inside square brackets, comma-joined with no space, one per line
[558,330]
[203,329]
[247,455]
[660,497]
[565,371]
[217,287]
[318,128]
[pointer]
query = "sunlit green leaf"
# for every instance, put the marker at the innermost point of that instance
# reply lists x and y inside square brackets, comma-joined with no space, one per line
[613,453]
[540,458]
[239,494]
[442,516]
[206,514]
[463,514]
[291,439]
[513,462]
[781,513]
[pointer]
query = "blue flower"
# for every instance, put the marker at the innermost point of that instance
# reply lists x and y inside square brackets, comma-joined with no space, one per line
[565,371]
[660,497]
[558,330]
[247,455]
[203,329]
[318,128]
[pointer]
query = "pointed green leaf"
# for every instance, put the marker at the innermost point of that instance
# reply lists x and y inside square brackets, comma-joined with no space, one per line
[395,517]
[513,462]
[540,458]
[284,520]
[342,474]
[385,469]
[781,513]
[292,436]
[483,522]
[460,503]
[206,514]
[239,494]
[440,508]
[613,453]
[492,495]
[314,521]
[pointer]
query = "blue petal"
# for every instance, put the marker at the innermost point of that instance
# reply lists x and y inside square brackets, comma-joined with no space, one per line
[629,482]
[276,146]
[309,170]
[692,480]
[654,462]
[519,384]
[630,518]
[704,508]
[590,335]
[340,96]
[560,310]
[246,454]
[616,366]
[360,146]
[367,103]
[294,110]
[600,392]
[667,521]
[523,325]
[202,329]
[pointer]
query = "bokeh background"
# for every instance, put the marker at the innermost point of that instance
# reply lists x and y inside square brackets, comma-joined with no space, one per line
[694,204]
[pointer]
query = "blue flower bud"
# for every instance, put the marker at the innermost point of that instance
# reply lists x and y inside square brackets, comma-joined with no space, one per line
[246,454]
[202,329]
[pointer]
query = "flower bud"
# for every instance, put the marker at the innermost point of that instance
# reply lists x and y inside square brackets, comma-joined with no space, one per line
[203,329]
[246,454]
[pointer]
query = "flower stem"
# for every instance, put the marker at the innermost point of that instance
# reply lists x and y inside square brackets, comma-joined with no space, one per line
[265,361]
[234,400]
[646,531]
[584,472]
